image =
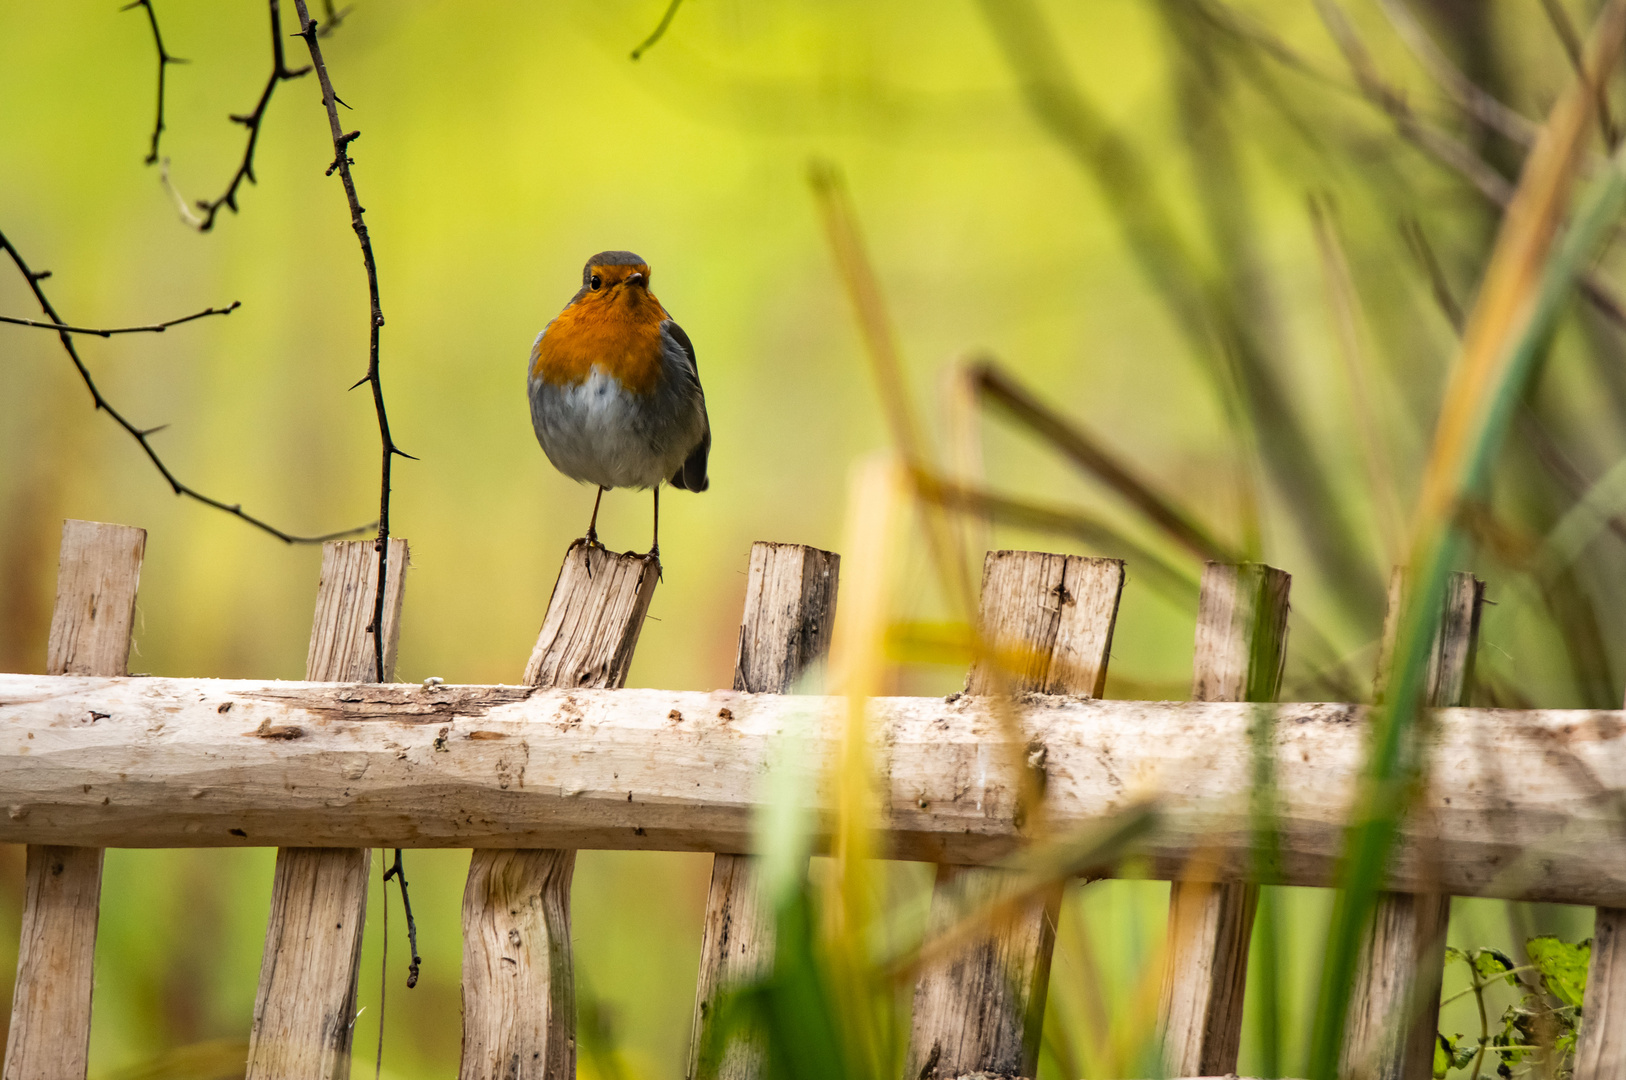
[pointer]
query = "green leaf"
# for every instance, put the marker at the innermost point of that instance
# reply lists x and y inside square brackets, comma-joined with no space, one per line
[1563,966]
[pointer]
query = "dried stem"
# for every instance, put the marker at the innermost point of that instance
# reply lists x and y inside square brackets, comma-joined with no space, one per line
[1571,40]
[342,162]
[142,435]
[154,328]
[164,60]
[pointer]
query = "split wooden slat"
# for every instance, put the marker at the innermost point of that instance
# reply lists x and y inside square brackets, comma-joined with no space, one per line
[97,575]
[790,609]
[1395,1004]
[519,991]
[1241,643]
[1048,621]
[305,1006]
[1600,1049]
[1600,1052]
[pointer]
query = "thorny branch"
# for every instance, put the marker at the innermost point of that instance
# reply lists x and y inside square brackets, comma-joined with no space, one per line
[154,328]
[342,162]
[142,435]
[388,450]
[399,871]
[280,72]
[164,60]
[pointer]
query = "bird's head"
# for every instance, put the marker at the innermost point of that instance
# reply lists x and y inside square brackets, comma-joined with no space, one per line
[610,276]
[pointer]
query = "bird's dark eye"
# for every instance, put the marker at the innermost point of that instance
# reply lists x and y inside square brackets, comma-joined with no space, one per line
[595,281]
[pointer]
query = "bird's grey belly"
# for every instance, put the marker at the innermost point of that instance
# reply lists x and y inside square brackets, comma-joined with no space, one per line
[602,434]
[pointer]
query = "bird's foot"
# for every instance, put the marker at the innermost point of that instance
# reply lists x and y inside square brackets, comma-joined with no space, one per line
[588,543]
[655,553]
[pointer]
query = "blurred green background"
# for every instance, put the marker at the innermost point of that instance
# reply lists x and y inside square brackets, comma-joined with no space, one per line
[503,143]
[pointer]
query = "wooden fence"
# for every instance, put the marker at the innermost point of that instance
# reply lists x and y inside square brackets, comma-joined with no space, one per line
[1517,804]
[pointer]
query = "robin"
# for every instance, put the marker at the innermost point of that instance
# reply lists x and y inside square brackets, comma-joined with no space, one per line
[615,391]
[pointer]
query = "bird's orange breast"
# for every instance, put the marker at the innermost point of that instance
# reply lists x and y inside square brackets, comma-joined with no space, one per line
[618,331]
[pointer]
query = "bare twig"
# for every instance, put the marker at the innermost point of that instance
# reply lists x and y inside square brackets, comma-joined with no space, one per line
[280,72]
[164,60]
[141,435]
[660,29]
[154,328]
[399,871]
[342,162]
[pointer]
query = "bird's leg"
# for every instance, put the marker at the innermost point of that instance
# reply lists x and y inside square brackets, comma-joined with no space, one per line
[592,524]
[655,541]
[592,531]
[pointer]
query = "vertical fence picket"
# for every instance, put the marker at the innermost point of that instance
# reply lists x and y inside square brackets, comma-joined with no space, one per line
[305,1006]
[790,608]
[1600,1052]
[99,569]
[1241,640]
[519,1007]
[1395,1004]
[1049,621]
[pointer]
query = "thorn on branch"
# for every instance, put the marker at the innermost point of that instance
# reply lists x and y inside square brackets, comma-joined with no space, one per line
[340,144]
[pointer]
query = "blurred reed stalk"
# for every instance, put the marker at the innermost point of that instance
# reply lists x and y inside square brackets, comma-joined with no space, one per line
[1529,276]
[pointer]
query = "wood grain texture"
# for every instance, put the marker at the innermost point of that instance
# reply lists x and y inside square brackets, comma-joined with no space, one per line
[790,609]
[519,993]
[1395,1003]
[1600,1053]
[516,983]
[1510,806]
[97,574]
[1240,646]
[305,1005]
[593,621]
[981,1009]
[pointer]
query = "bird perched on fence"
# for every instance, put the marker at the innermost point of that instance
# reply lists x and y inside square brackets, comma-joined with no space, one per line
[615,390]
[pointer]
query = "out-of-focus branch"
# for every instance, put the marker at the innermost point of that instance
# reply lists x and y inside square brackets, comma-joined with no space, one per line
[1089,454]
[1176,583]
[142,435]
[164,60]
[154,328]
[1448,151]
[1473,99]
[660,29]
[1571,40]
[280,72]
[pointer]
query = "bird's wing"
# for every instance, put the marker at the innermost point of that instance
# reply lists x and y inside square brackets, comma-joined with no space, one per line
[675,332]
[692,474]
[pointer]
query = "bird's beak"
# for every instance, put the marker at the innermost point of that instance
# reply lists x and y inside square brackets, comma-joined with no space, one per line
[636,279]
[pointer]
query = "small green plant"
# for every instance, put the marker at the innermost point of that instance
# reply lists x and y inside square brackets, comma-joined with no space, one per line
[1534,1036]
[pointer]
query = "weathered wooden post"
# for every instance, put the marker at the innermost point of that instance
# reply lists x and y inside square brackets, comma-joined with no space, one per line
[981,1010]
[97,575]
[519,990]
[1395,1005]
[304,1009]
[1241,641]
[790,608]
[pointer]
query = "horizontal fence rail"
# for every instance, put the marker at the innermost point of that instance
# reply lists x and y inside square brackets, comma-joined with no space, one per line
[1518,805]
